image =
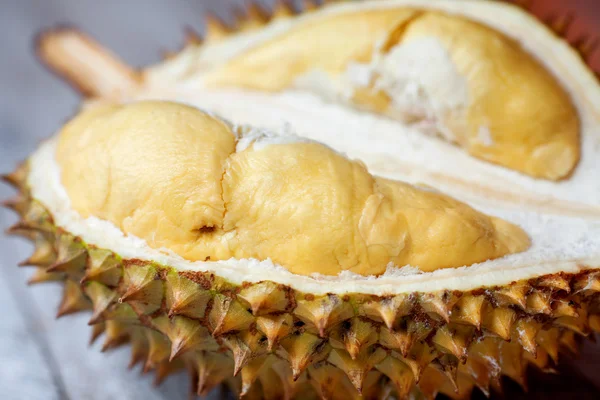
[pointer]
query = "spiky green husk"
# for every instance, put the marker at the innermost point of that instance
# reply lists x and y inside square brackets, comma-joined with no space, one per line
[266,340]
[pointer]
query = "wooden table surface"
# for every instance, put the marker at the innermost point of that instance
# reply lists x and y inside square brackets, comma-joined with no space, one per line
[41,357]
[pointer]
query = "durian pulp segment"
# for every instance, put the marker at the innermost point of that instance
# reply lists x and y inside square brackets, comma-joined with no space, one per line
[537,138]
[393,147]
[187,181]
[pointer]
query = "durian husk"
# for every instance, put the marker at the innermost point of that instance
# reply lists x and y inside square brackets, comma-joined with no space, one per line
[268,340]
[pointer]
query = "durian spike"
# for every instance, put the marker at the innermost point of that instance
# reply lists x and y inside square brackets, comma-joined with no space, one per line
[37,220]
[479,373]
[185,334]
[191,37]
[431,382]
[228,315]
[275,381]
[22,229]
[139,346]
[399,373]
[568,340]
[142,288]
[448,366]
[299,388]
[560,23]
[255,16]
[525,4]
[214,29]
[106,307]
[400,339]
[468,310]
[438,305]
[538,302]
[302,349]
[245,346]
[281,10]
[116,335]
[588,283]
[251,371]
[43,254]
[555,282]
[499,321]
[464,387]
[376,385]
[353,335]
[71,257]
[388,309]
[186,297]
[323,312]
[97,330]
[565,308]
[548,340]
[453,340]
[512,362]
[84,64]
[73,300]
[274,328]
[266,297]
[577,324]
[486,352]
[103,266]
[594,322]
[166,368]
[102,298]
[421,355]
[512,295]
[18,204]
[159,349]
[525,331]
[40,275]
[17,177]
[305,6]
[541,361]
[212,369]
[330,382]
[585,46]
[356,369]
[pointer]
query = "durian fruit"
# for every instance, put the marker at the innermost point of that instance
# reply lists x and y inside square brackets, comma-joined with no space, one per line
[184,214]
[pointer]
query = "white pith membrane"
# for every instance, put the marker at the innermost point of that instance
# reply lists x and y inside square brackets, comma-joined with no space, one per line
[562,218]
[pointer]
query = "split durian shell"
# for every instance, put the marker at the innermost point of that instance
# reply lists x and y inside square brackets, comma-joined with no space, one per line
[268,339]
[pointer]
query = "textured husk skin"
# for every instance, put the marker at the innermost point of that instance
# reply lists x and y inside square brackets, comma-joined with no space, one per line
[267,340]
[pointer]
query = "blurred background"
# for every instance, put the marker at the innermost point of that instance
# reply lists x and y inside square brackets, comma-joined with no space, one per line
[44,358]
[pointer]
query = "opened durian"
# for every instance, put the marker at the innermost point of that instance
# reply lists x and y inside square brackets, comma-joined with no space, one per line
[384,199]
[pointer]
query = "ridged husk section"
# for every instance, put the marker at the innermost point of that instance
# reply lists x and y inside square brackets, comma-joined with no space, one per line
[267,340]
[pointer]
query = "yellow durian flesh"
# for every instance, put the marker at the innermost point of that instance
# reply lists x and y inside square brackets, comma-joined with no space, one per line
[533,126]
[170,174]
